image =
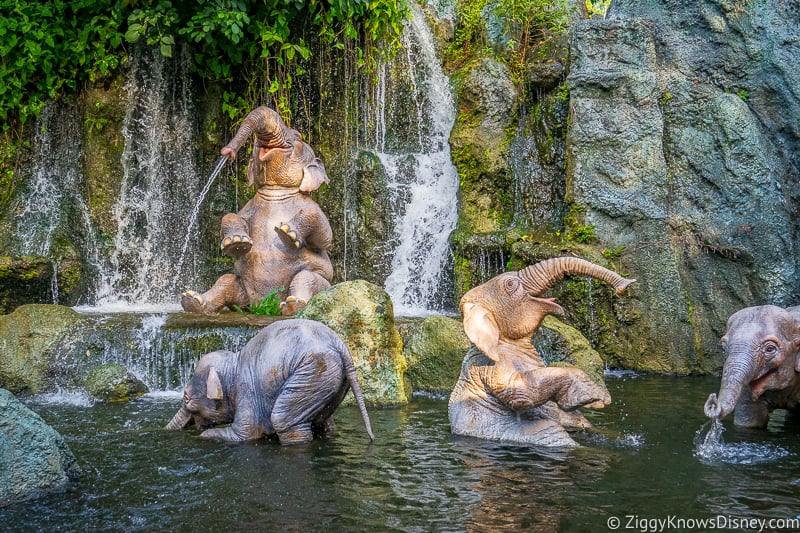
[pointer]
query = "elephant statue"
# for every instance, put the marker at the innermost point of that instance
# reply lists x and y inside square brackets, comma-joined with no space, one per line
[280,238]
[762,365]
[287,381]
[505,392]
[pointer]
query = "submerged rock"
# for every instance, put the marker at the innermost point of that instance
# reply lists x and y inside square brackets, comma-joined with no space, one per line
[34,459]
[114,383]
[363,315]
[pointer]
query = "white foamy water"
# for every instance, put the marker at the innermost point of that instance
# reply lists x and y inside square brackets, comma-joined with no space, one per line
[423,184]
[77,398]
[711,448]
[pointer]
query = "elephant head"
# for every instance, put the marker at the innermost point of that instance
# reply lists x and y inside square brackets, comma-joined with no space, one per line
[205,401]
[280,158]
[761,346]
[510,307]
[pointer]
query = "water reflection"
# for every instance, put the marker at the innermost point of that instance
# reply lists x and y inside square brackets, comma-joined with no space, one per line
[415,477]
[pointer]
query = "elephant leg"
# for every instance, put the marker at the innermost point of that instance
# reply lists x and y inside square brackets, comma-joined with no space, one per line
[303,286]
[751,414]
[236,239]
[540,432]
[308,227]
[227,291]
[309,392]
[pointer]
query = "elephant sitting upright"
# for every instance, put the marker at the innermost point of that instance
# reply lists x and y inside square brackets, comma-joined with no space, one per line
[287,381]
[280,238]
[505,392]
[762,365]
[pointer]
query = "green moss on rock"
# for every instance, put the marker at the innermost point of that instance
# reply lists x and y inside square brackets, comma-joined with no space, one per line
[363,315]
[27,339]
[435,351]
[114,383]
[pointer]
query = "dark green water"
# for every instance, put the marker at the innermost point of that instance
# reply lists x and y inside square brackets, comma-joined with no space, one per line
[417,476]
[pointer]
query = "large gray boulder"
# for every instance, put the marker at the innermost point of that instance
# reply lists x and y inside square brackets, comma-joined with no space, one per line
[683,146]
[34,459]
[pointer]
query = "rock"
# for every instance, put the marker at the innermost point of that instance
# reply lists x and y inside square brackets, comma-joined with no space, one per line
[30,279]
[114,383]
[487,105]
[28,336]
[434,352]
[683,144]
[559,344]
[363,315]
[34,459]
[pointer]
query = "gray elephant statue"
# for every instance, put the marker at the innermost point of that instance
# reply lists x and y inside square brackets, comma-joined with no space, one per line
[762,365]
[287,381]
[505,392]
[280,238]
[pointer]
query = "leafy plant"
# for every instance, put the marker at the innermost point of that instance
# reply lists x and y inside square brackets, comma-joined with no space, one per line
[270,305]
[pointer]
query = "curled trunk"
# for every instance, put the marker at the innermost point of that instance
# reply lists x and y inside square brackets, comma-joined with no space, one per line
[737,373]
[180,420]
[538,278]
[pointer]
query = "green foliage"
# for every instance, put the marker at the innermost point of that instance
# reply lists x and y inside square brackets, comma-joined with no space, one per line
[598,7]
[270,305]
[51,48]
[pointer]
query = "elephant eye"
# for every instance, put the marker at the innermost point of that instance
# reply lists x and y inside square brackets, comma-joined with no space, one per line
[511,284]
[770,349]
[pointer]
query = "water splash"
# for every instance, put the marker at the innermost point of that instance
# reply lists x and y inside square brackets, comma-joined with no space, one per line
[423,184]
[710,448]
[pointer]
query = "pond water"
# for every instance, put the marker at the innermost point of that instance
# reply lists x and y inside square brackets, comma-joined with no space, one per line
[640,466]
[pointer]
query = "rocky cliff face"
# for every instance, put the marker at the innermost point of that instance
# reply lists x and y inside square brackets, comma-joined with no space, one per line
[683,149]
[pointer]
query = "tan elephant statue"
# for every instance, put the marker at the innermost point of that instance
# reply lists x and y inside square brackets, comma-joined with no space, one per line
[280,238]
[505,391]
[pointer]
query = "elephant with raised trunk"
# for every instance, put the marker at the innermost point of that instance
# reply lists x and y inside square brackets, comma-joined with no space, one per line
[505,391]
[287,381]
[280,238]
[762,365]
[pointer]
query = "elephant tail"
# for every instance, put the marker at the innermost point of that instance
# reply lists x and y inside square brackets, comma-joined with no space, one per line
[352,379]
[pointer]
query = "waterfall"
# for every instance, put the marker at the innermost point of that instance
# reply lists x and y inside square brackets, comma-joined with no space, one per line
[54,183]
[423,183]
[159,186]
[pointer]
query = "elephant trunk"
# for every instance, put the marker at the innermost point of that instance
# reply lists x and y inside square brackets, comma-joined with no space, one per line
[180,420]
[538,278]
[738,372]
[268,127]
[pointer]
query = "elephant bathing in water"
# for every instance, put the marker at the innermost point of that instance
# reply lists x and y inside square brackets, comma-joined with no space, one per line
[287,381]
[505,392]
[280,238]
[762,365]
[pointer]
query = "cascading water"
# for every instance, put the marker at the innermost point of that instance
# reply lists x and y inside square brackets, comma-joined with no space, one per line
[159,187]
[423,183]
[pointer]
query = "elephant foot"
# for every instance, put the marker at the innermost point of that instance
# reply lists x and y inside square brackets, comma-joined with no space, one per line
[194,302]
[288,236]
[298,435]
[236,245]
[292,306]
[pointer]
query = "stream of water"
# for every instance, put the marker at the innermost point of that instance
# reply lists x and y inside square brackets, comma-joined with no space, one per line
[638,467]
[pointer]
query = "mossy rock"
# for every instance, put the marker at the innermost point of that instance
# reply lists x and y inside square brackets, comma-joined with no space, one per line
[562,345]
[434,352]
[363,315]
[28,337]
[114,384]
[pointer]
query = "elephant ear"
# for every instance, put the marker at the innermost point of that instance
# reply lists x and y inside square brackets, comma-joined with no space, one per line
[314,176]
[481,329]
[213,385]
